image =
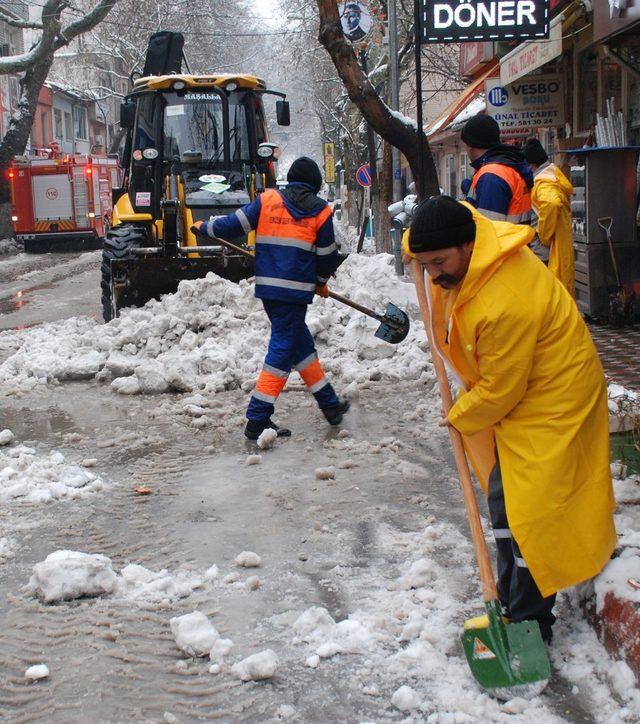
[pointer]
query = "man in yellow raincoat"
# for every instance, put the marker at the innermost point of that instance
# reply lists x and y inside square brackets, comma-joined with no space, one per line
[551,201]
[532,391]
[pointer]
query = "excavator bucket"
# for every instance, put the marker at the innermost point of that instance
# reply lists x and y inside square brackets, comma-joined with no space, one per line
[136,281]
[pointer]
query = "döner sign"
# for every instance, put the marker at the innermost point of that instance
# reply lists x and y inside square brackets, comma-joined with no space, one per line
[461,21]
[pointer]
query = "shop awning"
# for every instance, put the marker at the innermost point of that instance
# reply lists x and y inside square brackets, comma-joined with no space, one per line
[468,95]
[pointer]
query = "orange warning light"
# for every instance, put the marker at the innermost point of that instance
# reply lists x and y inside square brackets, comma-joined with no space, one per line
[87,170]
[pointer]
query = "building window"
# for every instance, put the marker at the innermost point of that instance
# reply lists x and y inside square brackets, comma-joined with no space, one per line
[58,128]
[68,126]
[44,122]
[80,123]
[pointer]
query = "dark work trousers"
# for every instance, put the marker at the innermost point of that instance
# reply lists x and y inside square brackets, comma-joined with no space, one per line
[520,597]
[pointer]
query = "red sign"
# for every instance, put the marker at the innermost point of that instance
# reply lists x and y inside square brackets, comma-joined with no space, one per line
[363,175]
[474,56]
[51,194]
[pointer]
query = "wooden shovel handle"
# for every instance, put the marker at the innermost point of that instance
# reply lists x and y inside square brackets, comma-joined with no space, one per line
[489,591]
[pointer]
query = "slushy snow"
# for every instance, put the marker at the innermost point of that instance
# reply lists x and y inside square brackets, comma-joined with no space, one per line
[212,335]
[257,667]
[26,475]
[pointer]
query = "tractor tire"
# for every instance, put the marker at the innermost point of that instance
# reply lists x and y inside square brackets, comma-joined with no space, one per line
[118,243]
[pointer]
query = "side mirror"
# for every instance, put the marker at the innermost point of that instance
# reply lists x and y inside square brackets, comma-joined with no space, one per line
[269,151]
[127,115]
[282,113]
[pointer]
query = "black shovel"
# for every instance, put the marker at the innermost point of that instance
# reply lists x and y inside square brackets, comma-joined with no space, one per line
[394,323]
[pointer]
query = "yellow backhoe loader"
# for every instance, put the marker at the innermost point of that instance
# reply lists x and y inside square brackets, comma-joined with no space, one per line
[196,146]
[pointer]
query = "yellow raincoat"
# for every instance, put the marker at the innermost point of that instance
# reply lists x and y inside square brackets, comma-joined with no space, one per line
[551,200]
[535,385]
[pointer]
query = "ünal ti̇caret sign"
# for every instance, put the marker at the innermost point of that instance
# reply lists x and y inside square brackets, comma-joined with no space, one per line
[465,21]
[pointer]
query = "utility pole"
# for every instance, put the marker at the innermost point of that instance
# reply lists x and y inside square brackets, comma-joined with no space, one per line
[395,93]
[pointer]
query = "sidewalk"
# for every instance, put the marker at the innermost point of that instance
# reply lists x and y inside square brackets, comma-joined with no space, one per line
[620,353]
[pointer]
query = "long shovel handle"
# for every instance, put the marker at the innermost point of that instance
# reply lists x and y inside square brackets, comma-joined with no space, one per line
[489,591]
[333,295]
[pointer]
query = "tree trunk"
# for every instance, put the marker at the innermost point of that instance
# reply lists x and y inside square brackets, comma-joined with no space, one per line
[17,136]
[383,238]
[399,132]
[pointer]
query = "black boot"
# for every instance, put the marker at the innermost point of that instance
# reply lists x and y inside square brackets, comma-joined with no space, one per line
[254,429]
[335,412]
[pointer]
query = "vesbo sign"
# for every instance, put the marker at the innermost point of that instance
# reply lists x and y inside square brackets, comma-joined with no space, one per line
[460,21]
[523,105]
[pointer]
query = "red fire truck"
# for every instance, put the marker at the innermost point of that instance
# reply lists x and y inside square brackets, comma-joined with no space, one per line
[64,202]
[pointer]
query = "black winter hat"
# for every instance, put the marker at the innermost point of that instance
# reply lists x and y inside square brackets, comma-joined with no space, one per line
[305,170]
[481,131]
[440,223]
[534,152]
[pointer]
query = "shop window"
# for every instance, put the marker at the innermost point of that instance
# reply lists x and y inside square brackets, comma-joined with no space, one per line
[58,128]
[588,84]
[450,176]
[80,123]
[466,169]
[611,86]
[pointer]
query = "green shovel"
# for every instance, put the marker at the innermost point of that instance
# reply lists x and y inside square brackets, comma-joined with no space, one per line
[506,659]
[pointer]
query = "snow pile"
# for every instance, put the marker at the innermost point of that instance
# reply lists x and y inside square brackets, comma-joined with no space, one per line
[617,577]
[316,627]
[140,584]
[623,402]
[257,667]
[65,575]
[212,335]
[9,246]
[37,672]
[42,478]
[194,634]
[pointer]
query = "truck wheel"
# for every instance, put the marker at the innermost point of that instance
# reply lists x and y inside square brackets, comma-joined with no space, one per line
[118,243]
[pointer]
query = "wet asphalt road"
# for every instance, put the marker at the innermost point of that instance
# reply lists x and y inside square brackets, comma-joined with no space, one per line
[113,661]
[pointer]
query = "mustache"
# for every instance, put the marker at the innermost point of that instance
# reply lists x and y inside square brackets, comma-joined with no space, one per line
[445,279]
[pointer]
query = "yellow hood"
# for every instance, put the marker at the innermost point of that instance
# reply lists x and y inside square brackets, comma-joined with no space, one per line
[553,175]
[495,242]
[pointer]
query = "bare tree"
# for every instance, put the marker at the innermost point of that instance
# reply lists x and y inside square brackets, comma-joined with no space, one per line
[53,34]
[399,131]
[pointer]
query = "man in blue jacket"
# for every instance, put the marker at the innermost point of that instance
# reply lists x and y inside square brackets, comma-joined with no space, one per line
[295,255]
[502,182]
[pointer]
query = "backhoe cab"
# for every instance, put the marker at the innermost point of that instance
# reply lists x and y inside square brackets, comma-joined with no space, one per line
[196,146]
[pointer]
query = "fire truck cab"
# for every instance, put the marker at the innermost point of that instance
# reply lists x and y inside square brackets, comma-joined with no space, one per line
[62,203]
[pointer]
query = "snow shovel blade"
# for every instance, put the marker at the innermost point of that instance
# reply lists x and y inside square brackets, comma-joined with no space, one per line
[395,325]
[507,659]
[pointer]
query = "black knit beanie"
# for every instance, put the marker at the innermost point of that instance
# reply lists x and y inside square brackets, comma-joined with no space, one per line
[439,223]
[305,170]
[534,152]
[481,131]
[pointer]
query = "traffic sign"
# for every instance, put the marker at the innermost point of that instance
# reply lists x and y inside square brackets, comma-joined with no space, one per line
[363,175]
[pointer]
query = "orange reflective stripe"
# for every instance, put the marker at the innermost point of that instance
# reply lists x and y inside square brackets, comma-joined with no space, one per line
[312,373]
[270,384]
